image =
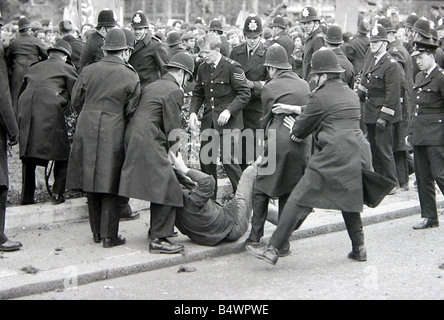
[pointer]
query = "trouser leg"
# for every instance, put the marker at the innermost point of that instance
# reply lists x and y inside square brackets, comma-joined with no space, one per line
[436,154]
[354,227]
[162,220]
[229,146]
[208,159]
[60,170]
[292,217]
[425,183]
[94,211]
[260,211]
[28,181]
[402,169]
[3,198]
[109,226]
[248,147]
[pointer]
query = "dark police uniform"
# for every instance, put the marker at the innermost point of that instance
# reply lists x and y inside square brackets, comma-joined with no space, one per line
[312,43]
[356,49]
[77,48]
[383,84]
[285,41]
[224,87]
[255,71]
[349,75]
[428,138]
[92,51]
[148,58]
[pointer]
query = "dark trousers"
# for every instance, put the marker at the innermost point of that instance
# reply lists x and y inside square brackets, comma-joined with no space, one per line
[28,178]
[104,213]
[429,167]
[230,163]
[260,212]
[3,198]
[162,220]
[381,144]
[293,216]
[402,167]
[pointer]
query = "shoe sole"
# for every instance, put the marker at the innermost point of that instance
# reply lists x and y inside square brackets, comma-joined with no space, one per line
[129,219]
[260,257]
[10,250]
[165,251]
[422,228]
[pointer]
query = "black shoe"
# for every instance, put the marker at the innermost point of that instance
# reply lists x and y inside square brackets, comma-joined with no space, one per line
[358,254]
[10,246]
[97,238]
[109,243]
[285,251]
[130,216]
[163,245]
[427,223]
[57,199]
[264,251]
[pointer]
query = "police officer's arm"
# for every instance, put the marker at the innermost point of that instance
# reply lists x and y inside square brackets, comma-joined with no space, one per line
[161,57]
[133,98]
[392,80]
[196,99]
[7,117]
[240,86]
[307,122]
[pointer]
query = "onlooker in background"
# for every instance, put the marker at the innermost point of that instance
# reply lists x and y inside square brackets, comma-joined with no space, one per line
[174,43]
[297,53]
[43,102]
[23,51]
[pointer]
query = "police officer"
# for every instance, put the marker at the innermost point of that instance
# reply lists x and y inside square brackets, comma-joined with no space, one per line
[381,90]
[222,88]
[23,51]
[97,152]
[333,113]
[428,131]
[8,131]
[92,51]
[400,149]
[310,23]
[216,28]
[283,89]
[356,48]
[280,35]
[333,41]
[408,27]
[251,57]
[66,31]
[43,101]
[149,55]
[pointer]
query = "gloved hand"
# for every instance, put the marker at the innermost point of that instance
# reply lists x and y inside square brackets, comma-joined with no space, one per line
[13,140]
[380,124]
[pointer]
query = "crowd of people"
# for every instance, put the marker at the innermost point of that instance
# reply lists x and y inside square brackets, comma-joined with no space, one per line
[346,119]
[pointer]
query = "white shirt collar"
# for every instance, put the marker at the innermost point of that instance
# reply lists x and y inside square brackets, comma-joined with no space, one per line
[431,69]
[216,63]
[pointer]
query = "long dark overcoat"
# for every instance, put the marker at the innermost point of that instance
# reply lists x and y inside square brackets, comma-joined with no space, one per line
[147,173]
[107,93]
[333,178]
[22,52]
[8,124]
[291,158]
[44,99]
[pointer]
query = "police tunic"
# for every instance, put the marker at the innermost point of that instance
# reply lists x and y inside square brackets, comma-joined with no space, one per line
[349,75]
[428,138]
[224,88]
[256,72]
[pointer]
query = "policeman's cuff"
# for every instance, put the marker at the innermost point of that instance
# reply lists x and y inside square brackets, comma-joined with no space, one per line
[387,114]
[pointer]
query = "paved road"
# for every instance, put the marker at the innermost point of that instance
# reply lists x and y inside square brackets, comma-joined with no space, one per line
[402,264]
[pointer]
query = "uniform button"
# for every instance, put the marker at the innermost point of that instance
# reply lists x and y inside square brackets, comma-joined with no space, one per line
[222,82]
[416,113]
[212,81]
[211,90]
[418,97]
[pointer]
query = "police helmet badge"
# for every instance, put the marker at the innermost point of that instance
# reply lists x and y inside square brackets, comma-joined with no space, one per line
[253,25]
